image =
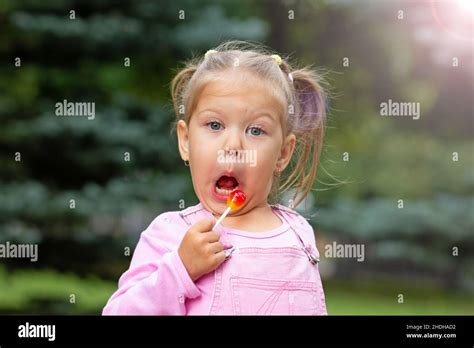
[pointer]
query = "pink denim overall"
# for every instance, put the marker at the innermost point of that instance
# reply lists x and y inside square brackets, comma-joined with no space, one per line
[270,281]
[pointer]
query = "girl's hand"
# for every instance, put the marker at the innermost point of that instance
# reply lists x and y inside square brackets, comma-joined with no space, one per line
[200,250]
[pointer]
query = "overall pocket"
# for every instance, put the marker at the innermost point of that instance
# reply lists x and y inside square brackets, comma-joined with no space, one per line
[255,296]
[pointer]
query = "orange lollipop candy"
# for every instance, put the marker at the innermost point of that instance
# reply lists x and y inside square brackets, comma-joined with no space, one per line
[235,200]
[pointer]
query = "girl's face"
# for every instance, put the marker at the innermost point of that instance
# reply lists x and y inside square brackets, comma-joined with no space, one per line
[235,139]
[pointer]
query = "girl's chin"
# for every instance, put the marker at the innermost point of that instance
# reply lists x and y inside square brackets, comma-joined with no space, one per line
[215,208]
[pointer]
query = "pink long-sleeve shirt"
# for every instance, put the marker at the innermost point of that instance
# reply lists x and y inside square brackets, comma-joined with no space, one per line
[157,282]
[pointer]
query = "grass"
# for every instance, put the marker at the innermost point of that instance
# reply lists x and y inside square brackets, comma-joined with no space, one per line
[49,292]
[381,297]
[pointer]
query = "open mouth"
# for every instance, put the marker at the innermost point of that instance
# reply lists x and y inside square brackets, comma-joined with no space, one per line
[226,184]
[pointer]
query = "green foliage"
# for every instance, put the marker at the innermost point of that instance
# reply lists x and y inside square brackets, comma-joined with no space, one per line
[90,186]
[432,237]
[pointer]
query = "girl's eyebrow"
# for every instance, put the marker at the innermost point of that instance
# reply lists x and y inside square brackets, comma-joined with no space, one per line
[263,114]
[211,110]
[255,115]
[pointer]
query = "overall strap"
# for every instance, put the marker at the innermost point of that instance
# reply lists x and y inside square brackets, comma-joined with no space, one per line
[296,226]
[193,214]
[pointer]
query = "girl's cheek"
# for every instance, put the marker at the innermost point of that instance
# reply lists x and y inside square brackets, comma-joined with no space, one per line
[208,136]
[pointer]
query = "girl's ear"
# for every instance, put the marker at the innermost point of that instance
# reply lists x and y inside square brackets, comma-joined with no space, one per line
[286,152]
[183,139]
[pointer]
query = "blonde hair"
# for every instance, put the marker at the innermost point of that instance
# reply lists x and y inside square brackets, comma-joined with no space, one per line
[304,101]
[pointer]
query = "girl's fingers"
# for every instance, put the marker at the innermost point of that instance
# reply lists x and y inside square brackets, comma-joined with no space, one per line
[216,247]
[219,257]
[211,236]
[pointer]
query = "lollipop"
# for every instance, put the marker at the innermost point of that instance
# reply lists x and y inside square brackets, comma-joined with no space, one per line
[235,200]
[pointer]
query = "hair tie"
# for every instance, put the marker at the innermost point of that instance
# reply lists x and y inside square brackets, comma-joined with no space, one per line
[277,58]
[208,53]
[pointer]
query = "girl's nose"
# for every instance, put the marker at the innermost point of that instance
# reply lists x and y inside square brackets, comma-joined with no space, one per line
[233,140]
[233,148]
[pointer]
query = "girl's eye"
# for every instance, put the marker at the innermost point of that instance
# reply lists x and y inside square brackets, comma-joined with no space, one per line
[214,125]
[256,131]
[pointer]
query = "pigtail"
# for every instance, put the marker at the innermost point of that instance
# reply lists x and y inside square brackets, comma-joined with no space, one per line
[306,121]
[178,87]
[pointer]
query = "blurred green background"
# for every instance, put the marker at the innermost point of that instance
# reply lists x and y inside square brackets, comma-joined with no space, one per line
[370,52]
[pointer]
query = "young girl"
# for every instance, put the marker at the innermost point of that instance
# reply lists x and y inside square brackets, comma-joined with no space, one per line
[246,120]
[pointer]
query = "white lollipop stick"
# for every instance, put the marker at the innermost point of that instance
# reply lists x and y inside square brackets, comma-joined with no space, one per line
[221,218]
[227,252]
